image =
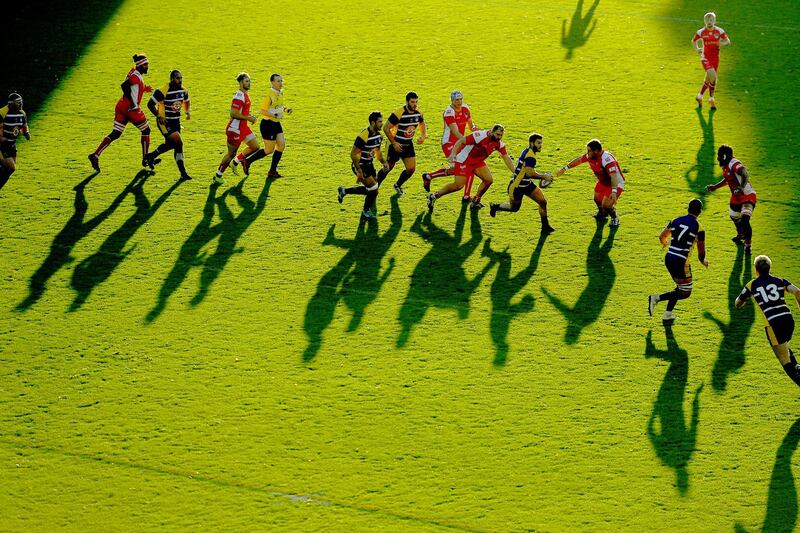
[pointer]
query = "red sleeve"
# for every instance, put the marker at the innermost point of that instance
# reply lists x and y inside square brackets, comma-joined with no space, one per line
[470,139]
[502,149]
[584,158]
[237,104]
[449,119]
[737,167]
[696,37]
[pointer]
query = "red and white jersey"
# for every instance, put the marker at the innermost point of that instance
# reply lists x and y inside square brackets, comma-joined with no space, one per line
[241,103]
[711,39]
[733,181]
[138,88]
[461,118]
[479,145]
[603,166]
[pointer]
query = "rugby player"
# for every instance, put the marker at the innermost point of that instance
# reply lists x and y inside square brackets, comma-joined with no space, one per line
[15,121]
[707,41]
[743,196]
[400,129]
[683,233]
[367,146]
[238,130]
[522,184]
[166,105]
[610,180]
[769,293]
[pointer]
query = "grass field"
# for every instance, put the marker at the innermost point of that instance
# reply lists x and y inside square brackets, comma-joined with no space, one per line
[175,356]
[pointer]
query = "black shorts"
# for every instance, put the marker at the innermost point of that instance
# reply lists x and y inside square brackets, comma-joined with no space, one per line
[525,188]
[394,156]
[779,330]
[367,168]
[8,149]
[169,128]
[678,268]
[270,129]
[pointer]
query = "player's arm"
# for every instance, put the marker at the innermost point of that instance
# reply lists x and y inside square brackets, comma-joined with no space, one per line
[665,235]
[701,248]
[697,43]
[790,287]
[152,105]
[25,129]
[743,296]
[572,164]
[127,93]
[509,163]
[187,107]
[355,157]
[457,148]
[424,134]
[380,158]
[743,176]
[236,112]
[390,124]
[454,130]
[714,186]
[725,40]
[616,179]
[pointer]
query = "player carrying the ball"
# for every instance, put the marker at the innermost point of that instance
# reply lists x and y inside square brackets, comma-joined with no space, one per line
[743,196]
[522,184]
[707,41]
[610,180]
[166,105]
[769,293]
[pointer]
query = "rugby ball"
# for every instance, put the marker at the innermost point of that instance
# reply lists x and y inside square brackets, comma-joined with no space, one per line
[545,183]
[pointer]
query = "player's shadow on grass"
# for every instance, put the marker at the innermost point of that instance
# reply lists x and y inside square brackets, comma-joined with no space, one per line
[73,231]
[702,173]
[782,498]
[356,279]
[504,288]
[580,28]
[230,229]
[97,268]
[734,334]
[439,279]
[672,440]
[601,272]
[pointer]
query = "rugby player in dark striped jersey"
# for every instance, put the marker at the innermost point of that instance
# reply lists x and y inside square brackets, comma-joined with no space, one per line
[166,104]
[769,292]
[366,147]
[683,233]
[14,121]
[400,129]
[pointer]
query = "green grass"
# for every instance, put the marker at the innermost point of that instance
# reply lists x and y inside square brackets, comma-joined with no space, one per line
[251,357]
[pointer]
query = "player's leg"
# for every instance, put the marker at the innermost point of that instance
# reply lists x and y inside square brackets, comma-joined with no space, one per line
[392,157]
[513,204]
[609,205]
[779,333]
[456,185]
[735,214]
[7,168]
[705,86]
[371,185]
[120,121]
[681,273]
[485,175]
[360,189]
[747,229]
[439,173]
[711,75]
[280,146]
[599,194]
[410,164]
[233,146]
[176,141]
[247,157]
[538,196]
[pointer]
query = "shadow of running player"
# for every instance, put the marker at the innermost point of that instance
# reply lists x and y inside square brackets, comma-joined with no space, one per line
[601,273]
[439,279]
[356,279]
[734,334]
[73,231]
[674,443]
[782,498]
[504,288]
[578,34]
[702,173]
[97,268]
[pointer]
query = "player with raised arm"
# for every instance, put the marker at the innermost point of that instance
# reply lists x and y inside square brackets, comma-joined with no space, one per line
[522,184]
[166,105]
[238,130]
[14,122]
[128,110]
[400,129]
[707,41]
[681,235]
[610,180]
[469,155]
[457,116]
[743,196]
[769,292]
[367,146]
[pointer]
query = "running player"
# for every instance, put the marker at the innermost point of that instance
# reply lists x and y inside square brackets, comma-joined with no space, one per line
[743,196]
[522,184]
[238,130]
[685,232]
[272,111]
[610,180]
[469,154]
[457,116]
[15,121]
[769,293]
[400,129]
[166,105]
[707,41]
[128,110]
[366,147]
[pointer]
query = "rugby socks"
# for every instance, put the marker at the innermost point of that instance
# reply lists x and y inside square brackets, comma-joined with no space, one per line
[222,168]
[438,173]
[356,190]
[145,145]
[468,186]
[703,88]
[179,161]
[505,206]
[404,175]
[103,145]
[382,175]
[255,156]
[161,149]
[369,201]
[792,370]
[276,158]
[672,297]
[4,175]
[747,230]
[711,88]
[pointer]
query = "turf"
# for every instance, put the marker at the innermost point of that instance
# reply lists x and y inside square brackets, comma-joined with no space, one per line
[176,356]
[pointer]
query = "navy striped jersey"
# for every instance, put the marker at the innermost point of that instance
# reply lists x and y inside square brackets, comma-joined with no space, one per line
[526,159]
[768,292]
[407,123]
[685,232]
[368,142]
[171,101]
[14,123]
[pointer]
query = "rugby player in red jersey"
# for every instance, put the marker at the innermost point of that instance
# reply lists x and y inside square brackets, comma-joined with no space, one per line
[707,41]
[469,155]
[610,180]
[457,116]
[128,110]
[743,196]
[238,130]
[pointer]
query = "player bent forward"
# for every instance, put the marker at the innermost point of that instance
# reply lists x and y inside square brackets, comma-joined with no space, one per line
[769,293]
